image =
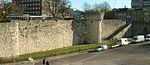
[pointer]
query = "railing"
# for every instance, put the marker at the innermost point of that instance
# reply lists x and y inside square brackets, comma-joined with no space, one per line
[28,17]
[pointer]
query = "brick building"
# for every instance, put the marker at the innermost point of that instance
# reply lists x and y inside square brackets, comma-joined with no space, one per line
[31,7]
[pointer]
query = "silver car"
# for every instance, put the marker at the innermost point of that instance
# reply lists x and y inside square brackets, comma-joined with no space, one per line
[99,48]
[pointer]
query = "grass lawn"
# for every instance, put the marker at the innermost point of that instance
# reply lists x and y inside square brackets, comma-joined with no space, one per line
[56,52]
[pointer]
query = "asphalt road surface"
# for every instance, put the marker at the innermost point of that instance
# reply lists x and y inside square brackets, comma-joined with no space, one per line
[133,54]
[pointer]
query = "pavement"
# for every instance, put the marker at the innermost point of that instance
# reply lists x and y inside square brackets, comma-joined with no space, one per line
[133,54]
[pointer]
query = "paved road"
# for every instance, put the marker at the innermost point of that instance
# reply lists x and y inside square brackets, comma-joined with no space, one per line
[134,54]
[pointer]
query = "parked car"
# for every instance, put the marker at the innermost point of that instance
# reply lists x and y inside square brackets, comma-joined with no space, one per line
[147,38]
[123,41]
[101,47]
[138,38]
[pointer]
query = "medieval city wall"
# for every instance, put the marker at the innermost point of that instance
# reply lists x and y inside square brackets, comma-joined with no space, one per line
[110,26]
[21,37]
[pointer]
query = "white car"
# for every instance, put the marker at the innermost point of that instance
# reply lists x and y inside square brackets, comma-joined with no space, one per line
[138,38]
[102,47]
[123,41]
[147,38]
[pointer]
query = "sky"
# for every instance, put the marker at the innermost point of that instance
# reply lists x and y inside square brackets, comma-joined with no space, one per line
[78,4]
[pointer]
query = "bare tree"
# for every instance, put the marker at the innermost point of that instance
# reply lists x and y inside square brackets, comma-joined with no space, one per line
[86,7]
[102,7]
[66,3]
[51,6]
[65,8]
[54,6]
[96,7]
[105,7]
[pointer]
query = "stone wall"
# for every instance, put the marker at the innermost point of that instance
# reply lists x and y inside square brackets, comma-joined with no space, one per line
[78,27]
[21,37]
[123,32]
[110,26]
[8,39]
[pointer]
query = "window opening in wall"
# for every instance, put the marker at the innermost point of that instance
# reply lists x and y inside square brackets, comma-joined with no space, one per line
[91,21]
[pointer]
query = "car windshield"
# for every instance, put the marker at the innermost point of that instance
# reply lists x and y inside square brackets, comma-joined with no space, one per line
[135,38]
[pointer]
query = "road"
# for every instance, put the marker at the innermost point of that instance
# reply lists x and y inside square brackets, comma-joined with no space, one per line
[133,54]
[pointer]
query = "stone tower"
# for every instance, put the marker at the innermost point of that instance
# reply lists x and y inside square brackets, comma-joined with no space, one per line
[93,27]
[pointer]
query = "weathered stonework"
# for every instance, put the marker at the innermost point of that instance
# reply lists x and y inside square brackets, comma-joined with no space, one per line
[93,27]
[8,39]
[110,26]
[123,33]
[41,36]
[78,27]
[21,37]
